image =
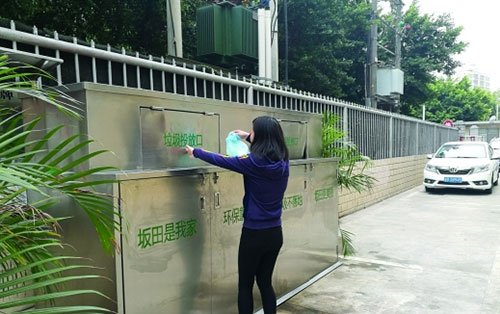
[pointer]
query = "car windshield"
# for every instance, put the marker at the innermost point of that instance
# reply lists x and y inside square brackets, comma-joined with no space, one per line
[462,151]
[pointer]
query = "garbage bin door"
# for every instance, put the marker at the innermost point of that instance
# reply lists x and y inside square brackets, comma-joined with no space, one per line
[166,245]
[295,133]
[165,133]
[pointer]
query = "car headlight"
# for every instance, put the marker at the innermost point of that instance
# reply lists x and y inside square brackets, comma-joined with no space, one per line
[431,168]
[480,169]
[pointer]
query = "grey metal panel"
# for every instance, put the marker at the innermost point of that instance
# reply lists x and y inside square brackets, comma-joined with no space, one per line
[226,224]
[295,133]
[323,202]
[80,234]
[166,262]
[165,133]
[292,267]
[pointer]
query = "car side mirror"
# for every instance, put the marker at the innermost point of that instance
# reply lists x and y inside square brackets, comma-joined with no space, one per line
[430,156]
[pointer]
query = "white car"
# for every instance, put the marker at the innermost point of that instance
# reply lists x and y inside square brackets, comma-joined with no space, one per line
[462,165]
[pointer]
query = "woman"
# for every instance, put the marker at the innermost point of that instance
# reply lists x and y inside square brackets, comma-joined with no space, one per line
[265,174]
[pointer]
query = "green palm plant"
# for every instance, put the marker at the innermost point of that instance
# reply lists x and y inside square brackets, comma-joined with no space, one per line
[31,270]
[351,168]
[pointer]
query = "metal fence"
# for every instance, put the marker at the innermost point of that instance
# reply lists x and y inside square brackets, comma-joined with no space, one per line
[378,134]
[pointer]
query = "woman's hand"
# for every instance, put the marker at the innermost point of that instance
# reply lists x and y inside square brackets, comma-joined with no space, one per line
[241,134]
[189,151]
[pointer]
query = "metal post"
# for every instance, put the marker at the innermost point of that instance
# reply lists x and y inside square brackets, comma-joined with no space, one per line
[435,139]
[417,139]
[138,72]
[110,70]
[163,85]
[13,27]
[37,51]
[213,85]
[185,79]
[204,84]
[58,68]
[94,66]
[37,48]
[345,121]
[77,63]
[221,87]
[250,95]
[237,89]
[195,83]
[230,88]
[124,69]
[151,75]
[175,78]
[391,135]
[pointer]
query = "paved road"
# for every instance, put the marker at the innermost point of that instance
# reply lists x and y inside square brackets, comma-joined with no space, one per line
[417,253]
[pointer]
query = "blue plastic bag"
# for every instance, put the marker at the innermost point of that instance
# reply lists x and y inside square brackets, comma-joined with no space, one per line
[234,146]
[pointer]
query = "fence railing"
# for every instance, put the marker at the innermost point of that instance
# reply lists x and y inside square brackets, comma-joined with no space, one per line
[378,134]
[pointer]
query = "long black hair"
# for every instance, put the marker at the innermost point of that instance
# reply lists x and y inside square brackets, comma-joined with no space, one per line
[268,140]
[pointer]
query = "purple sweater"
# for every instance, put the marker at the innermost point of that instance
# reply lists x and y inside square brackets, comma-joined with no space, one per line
[265,183]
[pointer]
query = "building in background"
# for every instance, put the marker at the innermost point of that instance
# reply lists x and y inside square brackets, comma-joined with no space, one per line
[477,78]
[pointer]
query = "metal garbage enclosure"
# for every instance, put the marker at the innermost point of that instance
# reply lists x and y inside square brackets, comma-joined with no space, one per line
[182,217]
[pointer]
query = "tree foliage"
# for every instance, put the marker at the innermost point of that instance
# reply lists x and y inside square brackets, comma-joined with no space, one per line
[428,48]
[327,46]
[327,38]
[457,101]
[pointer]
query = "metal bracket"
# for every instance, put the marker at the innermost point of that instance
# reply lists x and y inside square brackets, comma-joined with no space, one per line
[156,108]
[217,200]
[202,203]
[204,178]
[216,177]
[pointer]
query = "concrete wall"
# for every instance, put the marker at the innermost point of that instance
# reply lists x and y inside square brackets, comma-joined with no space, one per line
[394,176]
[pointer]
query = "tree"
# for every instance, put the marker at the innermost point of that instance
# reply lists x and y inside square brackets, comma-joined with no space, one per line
[327,38]
[31,271]
[457,101]
[327,46]
[138,25]
[428,48]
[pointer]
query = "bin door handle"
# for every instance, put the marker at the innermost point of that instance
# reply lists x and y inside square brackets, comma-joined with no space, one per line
[217,200]
[202,203]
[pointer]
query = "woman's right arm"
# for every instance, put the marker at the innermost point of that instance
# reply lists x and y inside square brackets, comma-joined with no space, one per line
[241,164]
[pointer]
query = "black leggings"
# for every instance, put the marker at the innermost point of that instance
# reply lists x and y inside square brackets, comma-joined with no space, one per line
[257,256]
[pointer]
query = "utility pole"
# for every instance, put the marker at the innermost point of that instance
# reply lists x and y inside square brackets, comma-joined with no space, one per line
[285,17]
[371,100]
[397,52]
[174,28]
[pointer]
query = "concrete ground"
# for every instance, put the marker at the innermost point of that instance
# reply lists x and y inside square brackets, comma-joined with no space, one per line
[417,253]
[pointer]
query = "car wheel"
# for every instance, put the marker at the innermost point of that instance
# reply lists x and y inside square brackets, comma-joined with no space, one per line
[429,190]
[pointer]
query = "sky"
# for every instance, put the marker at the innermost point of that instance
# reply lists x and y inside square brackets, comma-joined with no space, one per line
[479,19]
